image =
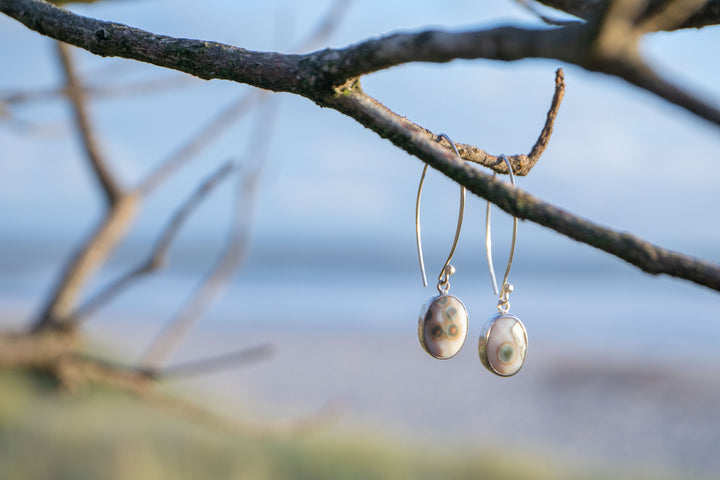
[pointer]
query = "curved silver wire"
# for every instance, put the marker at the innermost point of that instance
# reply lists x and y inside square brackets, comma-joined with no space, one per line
[488,241]
[444,270]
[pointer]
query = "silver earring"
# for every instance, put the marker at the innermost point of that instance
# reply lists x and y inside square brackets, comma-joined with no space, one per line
[503,340]
[443,321]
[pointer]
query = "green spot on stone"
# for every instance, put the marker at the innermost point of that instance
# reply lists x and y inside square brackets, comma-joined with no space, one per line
[506,353]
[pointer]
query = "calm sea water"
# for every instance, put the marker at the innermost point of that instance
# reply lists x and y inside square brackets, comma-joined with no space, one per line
[580,301]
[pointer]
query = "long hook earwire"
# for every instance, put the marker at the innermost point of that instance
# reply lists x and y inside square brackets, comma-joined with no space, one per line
[488,241]
[417,219]
[417,226]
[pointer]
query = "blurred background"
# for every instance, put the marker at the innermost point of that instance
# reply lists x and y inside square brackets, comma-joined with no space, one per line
[622,367]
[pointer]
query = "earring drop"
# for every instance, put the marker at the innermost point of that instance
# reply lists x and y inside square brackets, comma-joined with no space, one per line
[503,339]
[443,320]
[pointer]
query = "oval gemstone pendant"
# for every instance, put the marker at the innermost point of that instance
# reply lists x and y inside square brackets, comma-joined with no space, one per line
[442,326]
[503,345]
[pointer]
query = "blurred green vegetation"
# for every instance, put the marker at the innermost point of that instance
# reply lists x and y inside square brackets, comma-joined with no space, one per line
[102,434]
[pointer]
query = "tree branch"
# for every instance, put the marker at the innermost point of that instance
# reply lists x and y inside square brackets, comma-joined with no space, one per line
[214,364]
[178,327]
[76,94]
[159,253]
[531,7]
[589,10]
[521,163]
[97,91]
[217,125]
[649,258]
[88,258]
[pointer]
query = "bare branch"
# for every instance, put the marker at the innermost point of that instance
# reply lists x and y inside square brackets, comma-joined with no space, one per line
[233,254]
[88,258]
[25,127]
[708,14]
[76,95]
[521,164]
[326,27]
[530,6]
[223,120]
[159,253]
[541,144]
[587,9]
[670,15]
[649,258]
[215,364]
[97,91]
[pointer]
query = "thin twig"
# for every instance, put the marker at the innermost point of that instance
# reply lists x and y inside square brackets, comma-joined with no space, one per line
[542,142]
[213,284]
[327,25]
[585,9]
[76,95]
[521,163]
[89,256]
[215,364]
[531,7]
[143,87]
[159,253]
[217,125]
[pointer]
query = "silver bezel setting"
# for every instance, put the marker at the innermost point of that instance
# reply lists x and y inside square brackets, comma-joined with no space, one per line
[421,325]
[485,335]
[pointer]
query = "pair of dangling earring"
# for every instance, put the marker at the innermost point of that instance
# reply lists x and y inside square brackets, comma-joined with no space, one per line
[443,321]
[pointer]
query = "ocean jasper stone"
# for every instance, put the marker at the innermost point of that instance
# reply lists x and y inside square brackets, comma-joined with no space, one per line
[503,345]
[442,326]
